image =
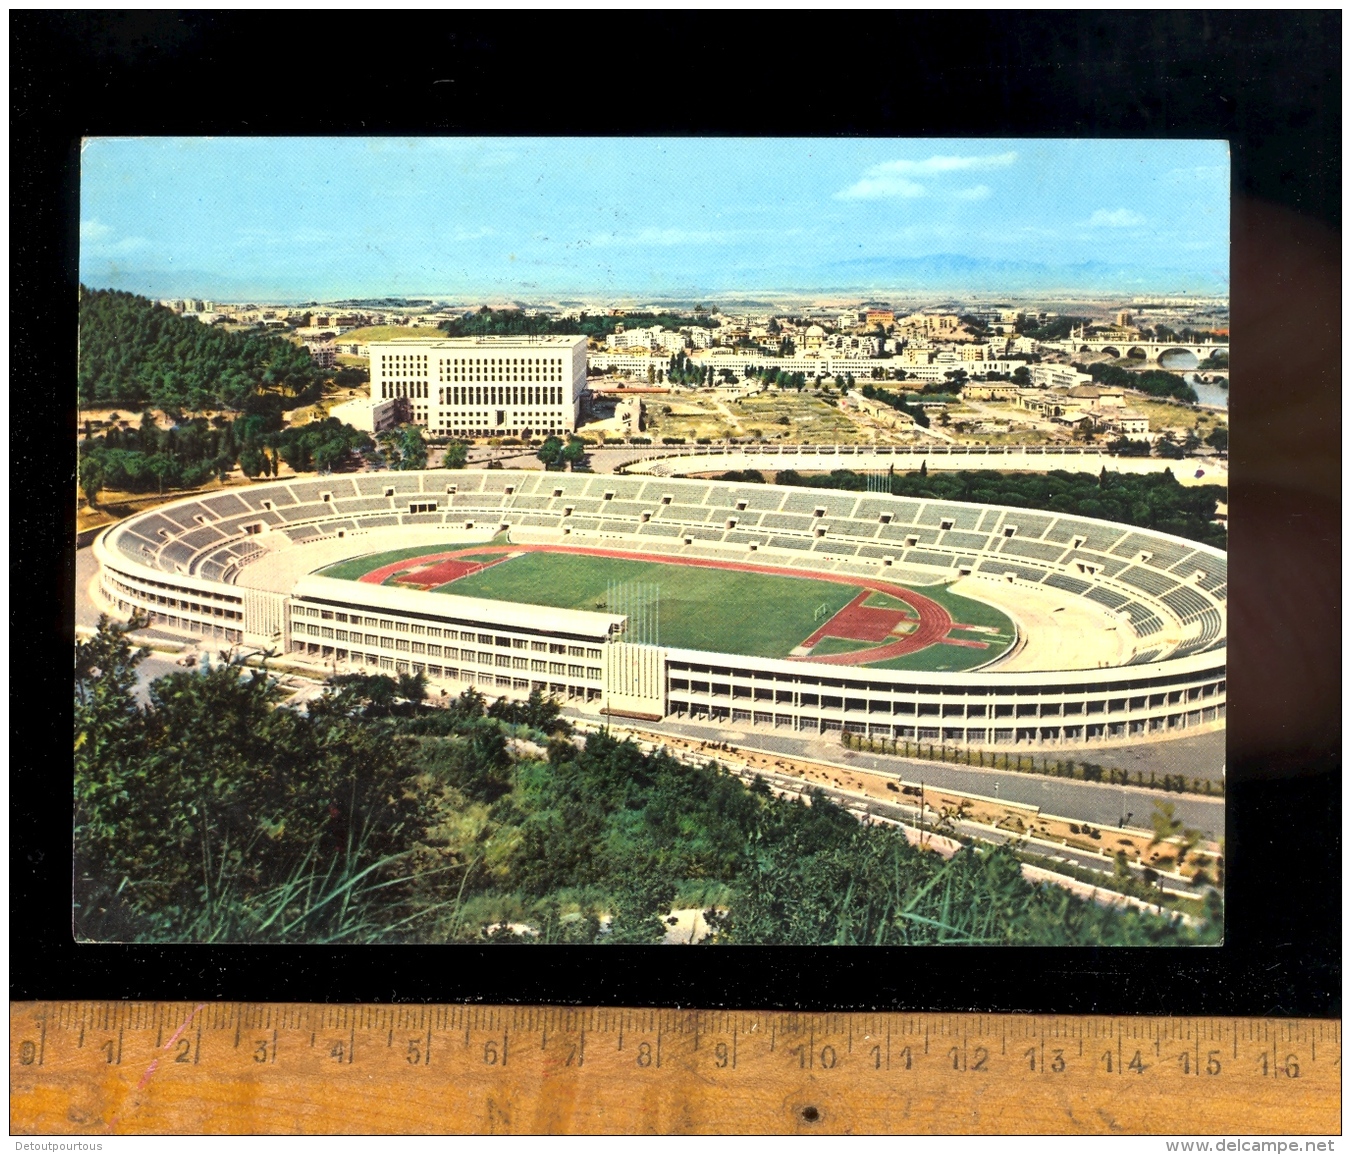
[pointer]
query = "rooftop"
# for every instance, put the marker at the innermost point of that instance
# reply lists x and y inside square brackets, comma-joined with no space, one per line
[453,607]
[518,342]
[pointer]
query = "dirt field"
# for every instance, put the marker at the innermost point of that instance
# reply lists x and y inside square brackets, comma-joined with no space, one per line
[1057,630]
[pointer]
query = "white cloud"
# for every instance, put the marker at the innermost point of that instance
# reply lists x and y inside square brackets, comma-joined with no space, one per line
[880,187]
[96,240]
[892,178]
[1115,219]
[942,164]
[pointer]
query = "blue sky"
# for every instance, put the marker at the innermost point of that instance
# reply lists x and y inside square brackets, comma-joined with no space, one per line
[292,218]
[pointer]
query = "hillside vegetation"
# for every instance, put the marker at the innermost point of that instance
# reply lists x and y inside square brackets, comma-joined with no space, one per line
[213,814]
[134,351]
[489,322]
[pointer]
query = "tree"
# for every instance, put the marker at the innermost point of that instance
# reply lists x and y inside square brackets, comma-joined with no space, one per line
[574,453]
[108,743]
[550,452]
[162,466]
[1169,448]
[250,462]
[1164,822]
[642,900]
[91,480]
[1218,439]
[457,455]
[212,814]
[412,448]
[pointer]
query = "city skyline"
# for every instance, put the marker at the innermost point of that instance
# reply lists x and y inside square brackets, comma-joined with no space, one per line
[300,218]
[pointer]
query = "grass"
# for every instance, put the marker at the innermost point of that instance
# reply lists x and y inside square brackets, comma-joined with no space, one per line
[829,645]
[353,568]
[387,333]
[762,615]
[702,608]
[812,420]
[695,415]
[879,601]
[967,611]
[939,659]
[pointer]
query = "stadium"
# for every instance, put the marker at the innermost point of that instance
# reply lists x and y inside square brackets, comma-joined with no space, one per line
[652,597]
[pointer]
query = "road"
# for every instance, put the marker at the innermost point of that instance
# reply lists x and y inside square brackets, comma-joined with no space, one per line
[909,814]
[1094,802]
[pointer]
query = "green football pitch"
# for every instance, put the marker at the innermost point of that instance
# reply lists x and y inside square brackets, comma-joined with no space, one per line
[701,608]
[725,610]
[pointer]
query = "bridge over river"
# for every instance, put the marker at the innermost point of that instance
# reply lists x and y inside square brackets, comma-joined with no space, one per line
[1153,351]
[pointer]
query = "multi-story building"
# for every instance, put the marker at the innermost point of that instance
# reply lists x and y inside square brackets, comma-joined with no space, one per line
[323,353]
[933,324]
[1058,377]
[848,346]
[484,386]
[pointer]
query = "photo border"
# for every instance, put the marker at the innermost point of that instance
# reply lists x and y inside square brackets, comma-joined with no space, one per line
[1267,82]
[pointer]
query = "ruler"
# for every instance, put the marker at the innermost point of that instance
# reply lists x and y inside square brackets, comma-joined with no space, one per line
[294,1068]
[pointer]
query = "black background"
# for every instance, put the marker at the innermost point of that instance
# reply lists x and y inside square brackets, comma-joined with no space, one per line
[1267,82]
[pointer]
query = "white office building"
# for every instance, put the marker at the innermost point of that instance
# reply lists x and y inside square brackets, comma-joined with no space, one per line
[484,386]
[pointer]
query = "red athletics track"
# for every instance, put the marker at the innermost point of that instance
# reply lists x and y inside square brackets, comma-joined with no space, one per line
[439,567]
[934,620]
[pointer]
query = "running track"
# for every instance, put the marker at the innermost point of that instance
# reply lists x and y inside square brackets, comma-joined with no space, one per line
[934,620]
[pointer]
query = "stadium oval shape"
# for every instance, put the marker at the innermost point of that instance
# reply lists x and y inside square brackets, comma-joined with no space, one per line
[239,565]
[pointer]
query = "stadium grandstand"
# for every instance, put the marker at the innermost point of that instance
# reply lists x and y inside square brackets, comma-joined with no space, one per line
[1114,632]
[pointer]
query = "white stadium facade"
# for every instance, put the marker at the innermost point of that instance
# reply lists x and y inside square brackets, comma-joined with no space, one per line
[1121,630]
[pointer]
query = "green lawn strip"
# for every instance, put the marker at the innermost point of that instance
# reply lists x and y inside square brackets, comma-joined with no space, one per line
[937,659]
[356,567]
[880,601]
[829,645]
[702,608]
[968,611]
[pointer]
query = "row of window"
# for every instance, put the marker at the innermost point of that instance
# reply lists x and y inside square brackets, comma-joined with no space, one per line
[977,736]
[1164,682]
[174,600]
[416,389]
[420,629]
[885,705]
[501,369]
[453,673]
[493,662]
[465,429]
[501,395]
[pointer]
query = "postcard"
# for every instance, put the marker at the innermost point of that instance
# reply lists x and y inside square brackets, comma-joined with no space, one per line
[652,541]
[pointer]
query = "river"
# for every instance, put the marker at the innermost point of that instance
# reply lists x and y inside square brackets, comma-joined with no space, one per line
[1182,361]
